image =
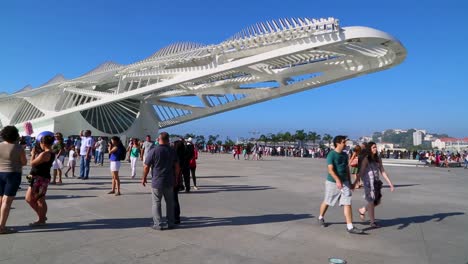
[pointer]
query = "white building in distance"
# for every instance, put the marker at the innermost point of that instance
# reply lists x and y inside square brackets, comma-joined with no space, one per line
[418,137]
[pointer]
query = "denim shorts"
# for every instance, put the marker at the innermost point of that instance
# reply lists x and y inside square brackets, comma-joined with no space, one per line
[9,183]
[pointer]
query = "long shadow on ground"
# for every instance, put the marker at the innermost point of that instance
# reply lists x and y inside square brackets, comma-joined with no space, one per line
[187,222]
[216,177]
[58,197]
[404,222]
[230,188]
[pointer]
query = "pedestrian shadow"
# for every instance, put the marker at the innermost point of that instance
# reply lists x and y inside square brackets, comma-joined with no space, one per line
[216,177]
[205,221]
[59,197]
[401,185]
[78,189]
[404,222]
[187,223]
[229,188]
[114,223]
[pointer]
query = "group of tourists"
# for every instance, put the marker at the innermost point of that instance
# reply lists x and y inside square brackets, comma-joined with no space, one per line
[171,167]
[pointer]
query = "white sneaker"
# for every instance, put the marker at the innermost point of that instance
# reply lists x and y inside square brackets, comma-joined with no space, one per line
[195,187]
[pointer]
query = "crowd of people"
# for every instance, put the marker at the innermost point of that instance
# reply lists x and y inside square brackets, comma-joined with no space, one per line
[172,166]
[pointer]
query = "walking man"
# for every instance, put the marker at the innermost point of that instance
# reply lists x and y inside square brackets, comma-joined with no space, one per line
[145,147]
[85,153]
[162,160]
[337,185]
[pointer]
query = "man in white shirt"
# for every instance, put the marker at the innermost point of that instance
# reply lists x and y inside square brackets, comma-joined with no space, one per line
[85,153]
[146,147]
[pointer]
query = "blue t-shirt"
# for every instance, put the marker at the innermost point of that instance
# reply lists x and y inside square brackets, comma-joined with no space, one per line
[340,165]
[161,159]
[115,155]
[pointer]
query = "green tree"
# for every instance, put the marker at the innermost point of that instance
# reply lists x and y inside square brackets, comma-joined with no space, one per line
[200,140]
[287,137]
[274,138]
[229,142]
[189,135]
[313,136]
[300,135]
[212,139]
[263,138]
[328,138]
[376,136]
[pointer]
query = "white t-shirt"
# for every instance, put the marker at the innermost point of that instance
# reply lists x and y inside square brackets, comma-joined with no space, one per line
[70,155]
[146,146]
[86,142]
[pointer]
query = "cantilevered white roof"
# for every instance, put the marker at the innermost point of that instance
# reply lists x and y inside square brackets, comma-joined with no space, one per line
[24,89]
[56,79]
[104,67]
[282,24]
[175,48]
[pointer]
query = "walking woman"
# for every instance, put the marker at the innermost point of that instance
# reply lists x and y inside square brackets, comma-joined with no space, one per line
[353,163]
[115,151]
[135,152]
[40,178]
[12,160]
[370,171]
[59,150]
[193,163]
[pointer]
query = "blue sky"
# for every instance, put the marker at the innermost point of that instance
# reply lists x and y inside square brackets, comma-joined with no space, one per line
[428,90]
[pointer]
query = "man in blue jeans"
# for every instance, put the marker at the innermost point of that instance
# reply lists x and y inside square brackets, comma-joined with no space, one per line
[85,153]
[162,160]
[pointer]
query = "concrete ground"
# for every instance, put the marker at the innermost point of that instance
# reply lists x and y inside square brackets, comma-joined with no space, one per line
[245,212]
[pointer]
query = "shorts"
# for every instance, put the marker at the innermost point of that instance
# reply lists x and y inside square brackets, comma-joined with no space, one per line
[115,165]
[39,186]
[58,163]
[9,183]
[333,194]
[71,163]
[354,170]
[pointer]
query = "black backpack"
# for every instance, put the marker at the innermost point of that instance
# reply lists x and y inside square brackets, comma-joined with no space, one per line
[121,152]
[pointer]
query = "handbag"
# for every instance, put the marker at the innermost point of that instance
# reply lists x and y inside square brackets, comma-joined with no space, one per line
[377,191]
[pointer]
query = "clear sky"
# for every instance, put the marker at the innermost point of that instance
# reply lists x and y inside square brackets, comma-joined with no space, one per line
[39,39]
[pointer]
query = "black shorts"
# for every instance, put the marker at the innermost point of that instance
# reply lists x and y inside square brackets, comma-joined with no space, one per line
[9,183]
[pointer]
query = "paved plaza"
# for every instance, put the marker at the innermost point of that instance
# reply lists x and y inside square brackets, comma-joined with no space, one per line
[245,212]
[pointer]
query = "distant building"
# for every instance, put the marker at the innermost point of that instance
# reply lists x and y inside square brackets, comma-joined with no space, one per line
[418,137]
[428,137]
[399,131]
[451,144]
[385,146]
[365,139]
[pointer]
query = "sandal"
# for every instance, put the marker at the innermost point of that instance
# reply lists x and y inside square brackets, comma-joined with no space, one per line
[374,225]
[7,230]
[111,192]
[117,194]
[37,223]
